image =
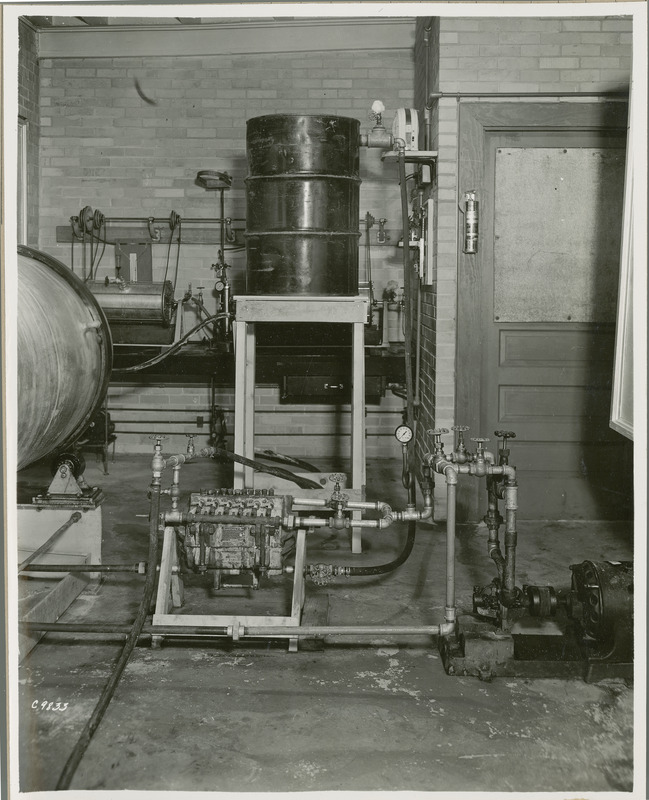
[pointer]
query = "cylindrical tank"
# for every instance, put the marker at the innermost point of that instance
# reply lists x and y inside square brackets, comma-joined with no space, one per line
[135,303]
[302,205]
[64,355]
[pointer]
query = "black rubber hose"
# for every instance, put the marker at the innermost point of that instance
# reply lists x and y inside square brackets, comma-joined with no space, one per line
[280,458]
[303,483]
[380,569]
[109,690]
[173,349]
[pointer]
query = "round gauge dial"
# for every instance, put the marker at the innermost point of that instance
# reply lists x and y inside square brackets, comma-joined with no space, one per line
[219,286]
[403,434]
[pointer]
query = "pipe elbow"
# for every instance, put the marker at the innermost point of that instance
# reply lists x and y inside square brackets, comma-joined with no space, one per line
[447,629]
[450,473]
[510,473]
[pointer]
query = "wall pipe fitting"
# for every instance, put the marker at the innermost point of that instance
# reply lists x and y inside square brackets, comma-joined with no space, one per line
[377,137]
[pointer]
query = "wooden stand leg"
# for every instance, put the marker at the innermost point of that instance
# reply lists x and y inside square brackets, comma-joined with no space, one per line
[244,401]
[167,593]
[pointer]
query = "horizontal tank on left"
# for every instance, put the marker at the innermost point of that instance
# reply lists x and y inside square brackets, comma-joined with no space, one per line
[64,352]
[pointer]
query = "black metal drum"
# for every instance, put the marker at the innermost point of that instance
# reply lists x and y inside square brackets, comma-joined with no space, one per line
[302,221]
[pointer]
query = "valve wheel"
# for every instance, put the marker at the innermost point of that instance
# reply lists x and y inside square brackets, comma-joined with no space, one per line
[158,436]
[505,434]
[462,428]
[337,477]
[479,439]
[437,431]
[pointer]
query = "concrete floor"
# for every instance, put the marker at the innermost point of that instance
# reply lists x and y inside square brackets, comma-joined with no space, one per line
[367,715]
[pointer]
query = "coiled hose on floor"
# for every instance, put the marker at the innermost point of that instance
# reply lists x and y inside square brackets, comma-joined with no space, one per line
[129,645]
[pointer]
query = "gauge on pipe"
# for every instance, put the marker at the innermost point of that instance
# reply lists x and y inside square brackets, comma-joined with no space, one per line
[403,434]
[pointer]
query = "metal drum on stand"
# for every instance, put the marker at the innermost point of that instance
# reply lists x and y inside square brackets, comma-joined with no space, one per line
[302,198]
[64,352]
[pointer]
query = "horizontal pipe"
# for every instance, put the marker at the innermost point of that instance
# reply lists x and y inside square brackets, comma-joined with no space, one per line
[141,568]
[368,434]
[177,518]
[343,630]
[433,96]
[248,630]
[183,220]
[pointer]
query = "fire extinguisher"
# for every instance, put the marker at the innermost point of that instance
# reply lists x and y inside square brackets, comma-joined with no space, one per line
[471,212]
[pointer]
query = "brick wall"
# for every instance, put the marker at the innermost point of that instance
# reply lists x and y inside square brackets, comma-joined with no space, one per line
[103,145]
[312,431]
[28,109]
[496,54]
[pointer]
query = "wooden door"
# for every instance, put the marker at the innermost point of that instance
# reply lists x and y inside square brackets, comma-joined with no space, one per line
[537,303]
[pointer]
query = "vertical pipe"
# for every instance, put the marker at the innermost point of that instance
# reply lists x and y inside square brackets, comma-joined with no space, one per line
[511,492]
[451,487]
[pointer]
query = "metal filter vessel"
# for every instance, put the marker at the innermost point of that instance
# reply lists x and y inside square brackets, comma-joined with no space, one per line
[64,356]
[302,220]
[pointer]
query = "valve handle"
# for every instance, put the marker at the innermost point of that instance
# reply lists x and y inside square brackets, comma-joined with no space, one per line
[479,439]
[461,428]
[337,477]
[505,434]
[158,436]
[436,431]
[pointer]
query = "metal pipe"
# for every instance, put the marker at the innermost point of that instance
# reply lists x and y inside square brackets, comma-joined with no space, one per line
[509,577]
[121,628]
[427,115]
[46,545]
[343,630]
[184,518]
[451,488]
[433,96]
[141,568]
[250,630]
[185,220]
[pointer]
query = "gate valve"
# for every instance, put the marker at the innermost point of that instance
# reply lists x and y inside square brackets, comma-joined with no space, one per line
[191,450]
[503,450]
[338,498]
[438,444]
[157,464]
[480,441]
[460,448]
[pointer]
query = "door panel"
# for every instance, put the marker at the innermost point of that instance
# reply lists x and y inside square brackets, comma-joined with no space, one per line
[542,343]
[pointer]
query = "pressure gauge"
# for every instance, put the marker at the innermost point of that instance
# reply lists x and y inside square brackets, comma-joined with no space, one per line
[219,286]
[403,434]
